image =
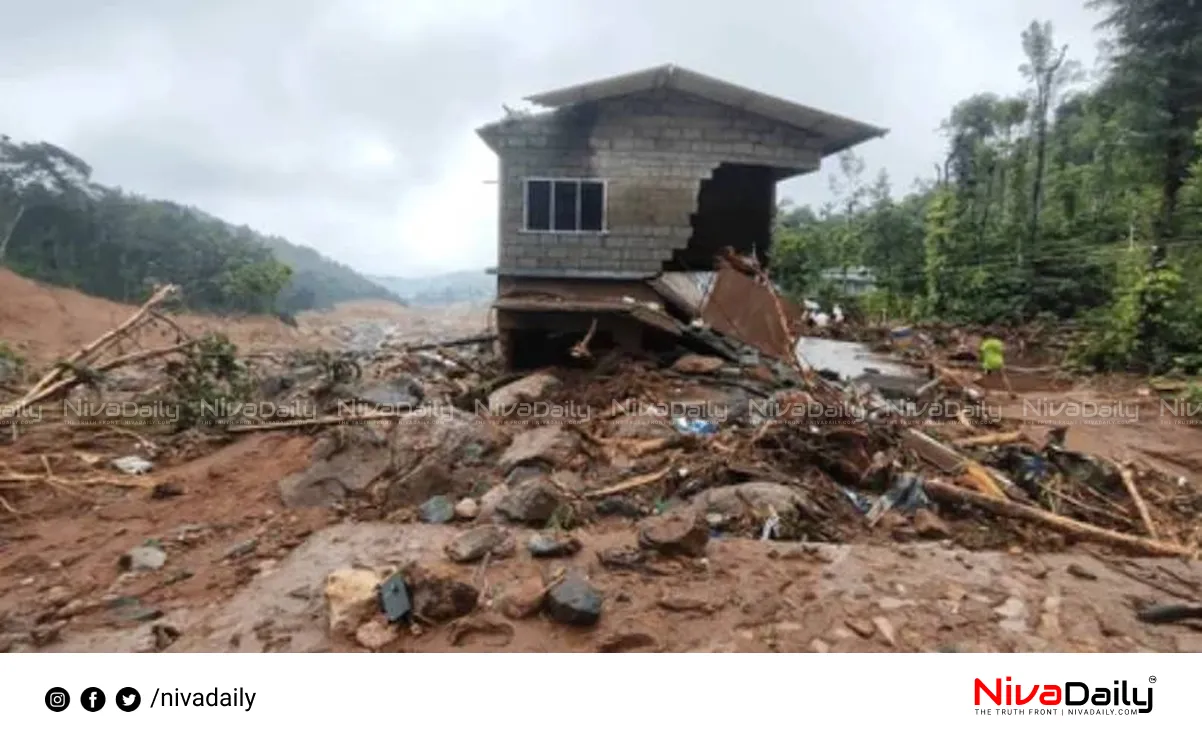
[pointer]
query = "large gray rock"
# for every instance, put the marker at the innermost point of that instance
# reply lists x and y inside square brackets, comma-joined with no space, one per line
[402,392]
[681,532]
[532,388]
[532,501]
[552,445]
[474,544]
[574,601]
[755,500]
[343,464]
[454,436]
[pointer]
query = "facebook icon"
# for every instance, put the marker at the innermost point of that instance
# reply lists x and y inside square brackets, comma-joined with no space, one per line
[92,699]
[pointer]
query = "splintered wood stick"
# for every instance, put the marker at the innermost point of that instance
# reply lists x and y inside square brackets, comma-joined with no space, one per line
[992,439]
[630,484]
[955,495]
[580,350]
[1140,506]
[39,390]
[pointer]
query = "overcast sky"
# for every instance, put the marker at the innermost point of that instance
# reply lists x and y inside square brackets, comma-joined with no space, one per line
[349,125]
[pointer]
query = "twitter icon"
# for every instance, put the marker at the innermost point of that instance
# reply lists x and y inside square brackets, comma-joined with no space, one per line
[128,699]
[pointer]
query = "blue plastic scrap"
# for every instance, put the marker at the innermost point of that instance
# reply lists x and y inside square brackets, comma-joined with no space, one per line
[394,599]
[861,504]
[695,426]
[907,495]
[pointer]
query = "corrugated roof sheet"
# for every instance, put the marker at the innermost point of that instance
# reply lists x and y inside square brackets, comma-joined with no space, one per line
[836,132]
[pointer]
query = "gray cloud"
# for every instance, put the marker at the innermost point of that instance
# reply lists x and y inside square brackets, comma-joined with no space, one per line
[349,124]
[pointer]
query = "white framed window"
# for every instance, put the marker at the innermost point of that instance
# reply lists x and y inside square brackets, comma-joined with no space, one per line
[564,205]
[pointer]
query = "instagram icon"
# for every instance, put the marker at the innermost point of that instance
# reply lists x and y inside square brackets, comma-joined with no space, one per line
[57,699]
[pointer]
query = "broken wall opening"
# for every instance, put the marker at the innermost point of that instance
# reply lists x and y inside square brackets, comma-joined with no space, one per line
[533,340]
[734,209]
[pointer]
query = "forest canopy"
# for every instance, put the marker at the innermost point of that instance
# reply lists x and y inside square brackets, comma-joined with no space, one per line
[58,226]
[1076,197]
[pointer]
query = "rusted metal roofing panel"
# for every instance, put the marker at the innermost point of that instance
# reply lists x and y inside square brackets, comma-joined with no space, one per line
[740,306]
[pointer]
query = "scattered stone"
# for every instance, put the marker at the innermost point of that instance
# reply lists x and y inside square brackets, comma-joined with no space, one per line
[145,558]
[532,501]
[133,610]
[640,426]
[467,509]
[456,435]
[532,388]
[892,603]
[351,596]
[696,364]
[523,600]
[569,481]
[501,632]
[133,465]
[682,532]
[574,601]
[437,510]
[439,594]
[428,477]
[818,646]
[343,464]
[885,627]
[490,500]
[25,565]
[929,526]
[376,633]
[616,505]
[165,490]
[622,558]
[402,392]
[241,549]
[751,500]
[861,627]
[629,642]
[474,544]
[1080,571]
[684,603]
[553,544]
[1011,608]
[75,607]
[552,445]
[47,634]
[524,472]
[164,635]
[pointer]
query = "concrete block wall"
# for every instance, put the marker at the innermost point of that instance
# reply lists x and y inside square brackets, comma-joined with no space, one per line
[653,150]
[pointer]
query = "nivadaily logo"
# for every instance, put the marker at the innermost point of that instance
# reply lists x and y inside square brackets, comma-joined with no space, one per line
[1068,698]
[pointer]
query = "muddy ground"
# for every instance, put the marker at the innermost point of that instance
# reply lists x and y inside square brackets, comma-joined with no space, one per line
[237,569]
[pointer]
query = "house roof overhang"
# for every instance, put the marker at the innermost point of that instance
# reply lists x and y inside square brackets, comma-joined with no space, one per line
[834,133]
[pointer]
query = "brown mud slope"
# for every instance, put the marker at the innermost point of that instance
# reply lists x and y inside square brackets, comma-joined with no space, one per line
[44,322]
[244,573]
[1111,417]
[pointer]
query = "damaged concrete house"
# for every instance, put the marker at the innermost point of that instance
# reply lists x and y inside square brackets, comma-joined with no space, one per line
[620,204]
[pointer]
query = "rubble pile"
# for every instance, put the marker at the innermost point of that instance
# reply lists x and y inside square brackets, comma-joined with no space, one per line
[676,452]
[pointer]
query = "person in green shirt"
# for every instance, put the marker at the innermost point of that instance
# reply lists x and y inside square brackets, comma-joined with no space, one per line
[993,360]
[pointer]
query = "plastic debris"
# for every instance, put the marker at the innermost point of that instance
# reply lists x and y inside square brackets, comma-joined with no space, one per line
[694,426]
[861,504]
[394,599]
[906,495]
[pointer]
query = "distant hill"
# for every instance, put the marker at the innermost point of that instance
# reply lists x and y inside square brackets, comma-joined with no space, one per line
[58,226]
[442,289]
